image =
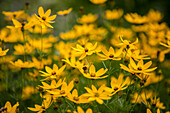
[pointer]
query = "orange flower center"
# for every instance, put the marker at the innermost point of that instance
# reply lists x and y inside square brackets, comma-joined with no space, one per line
[92,75]
[76,98]
[43,18]
[111,55]
[96,95]
[62,92]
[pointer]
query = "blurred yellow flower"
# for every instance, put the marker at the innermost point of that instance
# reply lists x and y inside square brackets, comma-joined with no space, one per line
[27,92]
[135,18]
[45,18]
[3,53]
[98,1]
[21,64]
[86,19]
[23,49]
[114,14]
[65,12]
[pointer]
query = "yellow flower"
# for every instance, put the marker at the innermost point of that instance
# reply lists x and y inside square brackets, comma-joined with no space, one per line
[98,1]
[75,98]
[149,111]
[135,18]
[45,18]
[27,92]
[155,102]
[65,12]
[52,73]
[23,49]
[53,85]
[111,54]
[154,16]
[95,75]
[21,26]
[88,49]
[118,84]
[86,19]
[3,53]
[127,44]
[8,108]
[138,69]
[65,90]
[80,110]
[166,45]
[98,95]
[45,104]
[114,14]
[21,64]
[14,15]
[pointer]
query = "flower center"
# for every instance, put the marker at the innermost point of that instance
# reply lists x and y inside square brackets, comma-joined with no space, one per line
[43,18]
[139,68]
[62,92]
[76,98]
[86,50]
[92,75]
[116,88]
[53,73]
[84,68]
[111,55]
[3,109]
[96,95]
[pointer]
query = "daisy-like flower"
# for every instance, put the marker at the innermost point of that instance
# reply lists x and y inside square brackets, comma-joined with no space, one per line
[65,12]
[135,18]
[114,14]
[155,102]
[75,98]
[98,95]
[45,18]
[149,111]
[88,49]
[65,90]
[53,85]
[8,108]
[98,1]
[118,84]
[127,44]
[95,75]
[80,110]
[42,108]
[3,53]
[20,25]
[111,54]
[52,73]
[140,68]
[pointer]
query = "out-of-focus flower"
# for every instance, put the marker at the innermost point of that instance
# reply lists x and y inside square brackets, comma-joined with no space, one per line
[14,15]
[154,16]
[21,64]
[3,53]
[114,14]
[45,18]
[65,12]
[23,49]
[86,19]
[135,18]
[28,91]
[98,1]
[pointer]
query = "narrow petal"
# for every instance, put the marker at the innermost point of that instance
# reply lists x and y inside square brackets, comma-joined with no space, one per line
[41,11]
[47,14]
